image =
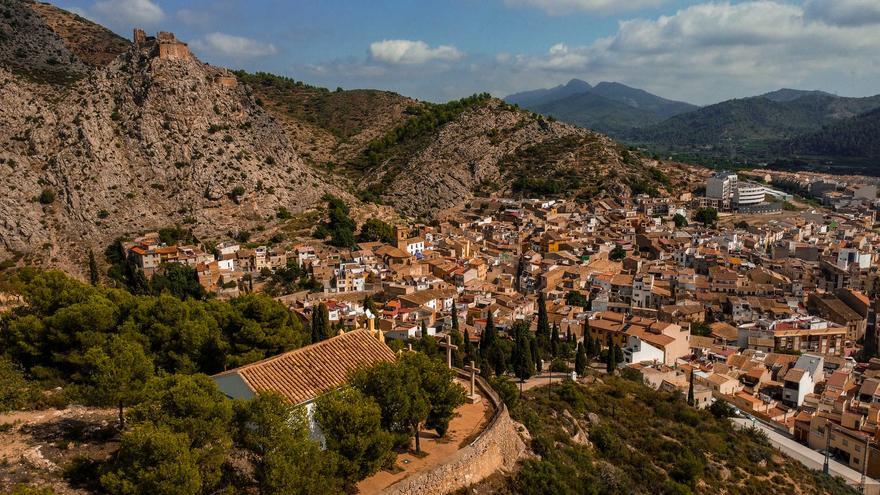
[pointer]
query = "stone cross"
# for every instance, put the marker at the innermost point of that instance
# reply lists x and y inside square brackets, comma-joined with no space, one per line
[474,370]
[449,347]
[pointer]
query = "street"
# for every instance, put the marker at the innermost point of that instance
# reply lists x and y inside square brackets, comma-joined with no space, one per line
[809,457]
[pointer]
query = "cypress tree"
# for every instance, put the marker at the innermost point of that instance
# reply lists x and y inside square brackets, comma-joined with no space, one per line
[468,347]
[487,340]
[523,366]
[321,329]
[690,398]
[554,341]
[543,331]
[612,358]
[536,358]
[580,360]
[94,276]
[869,349]
[454,315]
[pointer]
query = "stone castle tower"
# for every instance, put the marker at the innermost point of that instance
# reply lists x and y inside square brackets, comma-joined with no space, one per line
[165,44]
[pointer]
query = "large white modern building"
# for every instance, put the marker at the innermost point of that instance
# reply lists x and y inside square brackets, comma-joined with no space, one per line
[722,186]
[726,186]
[748,193]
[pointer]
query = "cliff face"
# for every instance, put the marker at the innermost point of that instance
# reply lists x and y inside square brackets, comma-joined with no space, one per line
[487,150]
[102,138]
[138,144]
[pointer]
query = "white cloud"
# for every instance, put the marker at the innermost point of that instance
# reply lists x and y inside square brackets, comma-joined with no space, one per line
[408,52]
[558,7]
[703,54]
[237,47]
[713,51]
[131,12]
[844,12]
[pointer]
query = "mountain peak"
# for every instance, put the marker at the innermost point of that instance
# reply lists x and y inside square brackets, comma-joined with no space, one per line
[578,84]
[788,94]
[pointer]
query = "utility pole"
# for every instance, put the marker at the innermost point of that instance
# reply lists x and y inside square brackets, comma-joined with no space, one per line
[864,464]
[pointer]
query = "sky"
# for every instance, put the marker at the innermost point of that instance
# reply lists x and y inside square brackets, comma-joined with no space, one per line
[701,52]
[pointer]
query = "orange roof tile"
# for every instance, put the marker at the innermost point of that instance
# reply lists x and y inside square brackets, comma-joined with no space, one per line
[303,374]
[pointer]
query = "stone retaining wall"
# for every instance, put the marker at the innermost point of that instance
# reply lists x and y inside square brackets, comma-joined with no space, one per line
[499,446]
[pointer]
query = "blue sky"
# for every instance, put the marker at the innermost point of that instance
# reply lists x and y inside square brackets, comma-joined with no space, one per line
[697,51]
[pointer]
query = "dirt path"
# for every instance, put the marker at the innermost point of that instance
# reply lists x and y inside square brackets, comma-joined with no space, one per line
[471,420]
[35,446]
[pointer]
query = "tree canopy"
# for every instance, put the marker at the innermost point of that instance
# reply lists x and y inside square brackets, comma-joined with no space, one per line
[64,319]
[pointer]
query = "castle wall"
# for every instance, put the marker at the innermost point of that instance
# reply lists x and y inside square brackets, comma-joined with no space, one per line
[173,51]
[228,81]
[499,447]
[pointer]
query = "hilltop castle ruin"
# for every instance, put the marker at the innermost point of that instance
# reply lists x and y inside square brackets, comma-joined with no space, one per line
[166,46]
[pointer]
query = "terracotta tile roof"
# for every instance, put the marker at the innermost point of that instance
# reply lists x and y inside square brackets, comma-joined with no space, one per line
[303,374]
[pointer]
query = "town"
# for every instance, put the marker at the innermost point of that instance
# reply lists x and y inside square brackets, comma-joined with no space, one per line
[729,297]
[436,248]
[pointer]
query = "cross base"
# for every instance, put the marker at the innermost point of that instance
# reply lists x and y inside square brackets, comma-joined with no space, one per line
[474,399]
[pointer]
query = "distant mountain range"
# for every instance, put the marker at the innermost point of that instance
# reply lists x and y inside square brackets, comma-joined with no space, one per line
[786,124]
[608,107]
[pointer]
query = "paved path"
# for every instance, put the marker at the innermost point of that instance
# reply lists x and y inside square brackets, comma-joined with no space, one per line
[809,457]
[542,379]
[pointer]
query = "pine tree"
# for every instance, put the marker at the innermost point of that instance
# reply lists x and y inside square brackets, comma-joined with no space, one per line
[94,276]
[580,360]
[690,398]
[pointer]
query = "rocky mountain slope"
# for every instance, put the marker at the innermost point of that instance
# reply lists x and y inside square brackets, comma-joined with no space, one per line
[104,138]
[420,157]
[141,143]
[328,126]
[494,148]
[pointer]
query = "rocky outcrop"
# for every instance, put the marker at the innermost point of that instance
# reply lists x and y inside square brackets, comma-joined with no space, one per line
[495,148]
[139,144]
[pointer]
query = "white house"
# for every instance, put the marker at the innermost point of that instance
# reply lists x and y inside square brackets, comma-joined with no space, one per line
[802,379]
[639,351]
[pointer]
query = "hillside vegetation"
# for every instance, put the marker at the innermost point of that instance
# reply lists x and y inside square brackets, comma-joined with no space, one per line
[618,436]
[608,107]
[762,128]
[856,137]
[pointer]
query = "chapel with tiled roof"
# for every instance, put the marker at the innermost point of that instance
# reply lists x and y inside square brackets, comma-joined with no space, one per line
[304,374]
